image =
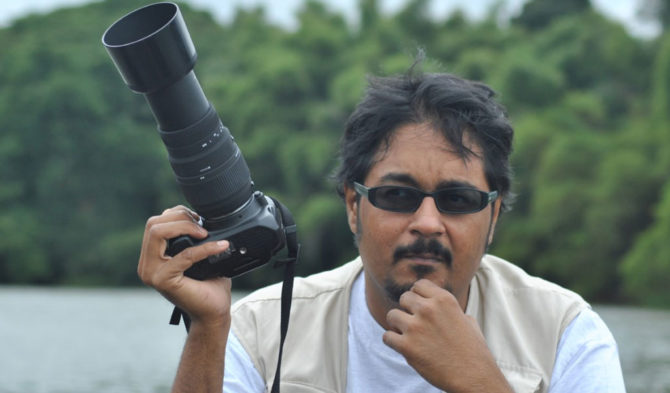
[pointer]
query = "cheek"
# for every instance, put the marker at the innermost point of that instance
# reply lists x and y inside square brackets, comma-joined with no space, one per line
[378,233]
[468,238]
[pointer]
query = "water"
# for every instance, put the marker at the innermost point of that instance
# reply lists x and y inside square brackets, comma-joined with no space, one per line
[644,346]
[83,340]
[71,341]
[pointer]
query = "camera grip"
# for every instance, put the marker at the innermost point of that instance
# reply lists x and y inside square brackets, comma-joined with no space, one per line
[178,244]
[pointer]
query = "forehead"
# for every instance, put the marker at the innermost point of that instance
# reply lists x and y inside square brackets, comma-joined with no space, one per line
[420,154]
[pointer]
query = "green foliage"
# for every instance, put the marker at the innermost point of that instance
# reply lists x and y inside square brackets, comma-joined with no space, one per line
[656,11]
[661,89]
[527,82]
[82,167]
[537,14]
[647,265]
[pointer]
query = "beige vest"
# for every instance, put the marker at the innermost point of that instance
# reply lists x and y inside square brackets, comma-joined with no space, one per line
[522,318]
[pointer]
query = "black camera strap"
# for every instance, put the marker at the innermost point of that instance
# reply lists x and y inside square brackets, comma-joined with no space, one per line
[293,248]
[293,251]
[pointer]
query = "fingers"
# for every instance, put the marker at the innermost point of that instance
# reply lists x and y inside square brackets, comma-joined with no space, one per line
[427,288]
[205,301]
[173,222]
[177,214]
[181,209]
[403,322]
[168,275]
[393,340]
[398,320]
[191,255]
[157,230]
[180,215]
[423,303]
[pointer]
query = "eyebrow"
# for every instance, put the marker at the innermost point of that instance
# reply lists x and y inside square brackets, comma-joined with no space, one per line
[404,178]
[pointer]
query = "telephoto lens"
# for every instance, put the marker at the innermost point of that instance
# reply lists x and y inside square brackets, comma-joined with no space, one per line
[154,54]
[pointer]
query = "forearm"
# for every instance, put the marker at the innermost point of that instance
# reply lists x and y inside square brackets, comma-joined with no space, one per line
[202,362]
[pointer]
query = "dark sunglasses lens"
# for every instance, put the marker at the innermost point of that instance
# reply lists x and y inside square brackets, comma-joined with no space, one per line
[400,199]
[459,200]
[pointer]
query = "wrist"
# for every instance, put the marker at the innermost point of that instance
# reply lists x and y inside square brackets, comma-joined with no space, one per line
[211,324]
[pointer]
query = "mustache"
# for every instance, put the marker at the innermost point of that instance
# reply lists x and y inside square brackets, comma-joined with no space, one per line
[424,248]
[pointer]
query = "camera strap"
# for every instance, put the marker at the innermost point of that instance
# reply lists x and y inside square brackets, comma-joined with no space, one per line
[293,248]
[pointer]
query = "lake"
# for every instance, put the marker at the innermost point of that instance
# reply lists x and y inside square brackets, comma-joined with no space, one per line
[119,340]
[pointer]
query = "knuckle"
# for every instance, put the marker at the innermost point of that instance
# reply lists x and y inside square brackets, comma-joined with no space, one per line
[390,316]
[169,209]
[447,298]
[189,254]
[153,231]
[151,222]
[173,209]
[404,297]
[427,311]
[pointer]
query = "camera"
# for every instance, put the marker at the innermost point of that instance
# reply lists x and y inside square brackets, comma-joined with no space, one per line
[154,54]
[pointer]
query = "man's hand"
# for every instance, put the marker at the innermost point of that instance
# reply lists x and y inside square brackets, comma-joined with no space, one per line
[204,301]
[445,346]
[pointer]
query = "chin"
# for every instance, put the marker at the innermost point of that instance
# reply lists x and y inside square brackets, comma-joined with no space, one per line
[395,288]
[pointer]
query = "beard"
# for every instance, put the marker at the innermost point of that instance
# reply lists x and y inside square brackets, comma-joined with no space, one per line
[424,248]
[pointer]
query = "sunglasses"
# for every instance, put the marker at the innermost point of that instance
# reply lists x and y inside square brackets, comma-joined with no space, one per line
[453,200]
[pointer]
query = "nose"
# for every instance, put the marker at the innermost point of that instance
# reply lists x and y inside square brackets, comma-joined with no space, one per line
[427,220]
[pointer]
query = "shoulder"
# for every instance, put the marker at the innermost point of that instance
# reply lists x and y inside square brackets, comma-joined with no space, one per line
[511,279]
[505,293]
[587,358]
[310,287]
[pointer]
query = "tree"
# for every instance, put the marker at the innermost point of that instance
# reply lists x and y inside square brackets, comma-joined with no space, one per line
[537,14]
[82,166]
[656,11]
[647,265]
[660,98]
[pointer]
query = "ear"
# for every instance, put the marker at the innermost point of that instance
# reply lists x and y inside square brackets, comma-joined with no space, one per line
[351,202]
[494,219]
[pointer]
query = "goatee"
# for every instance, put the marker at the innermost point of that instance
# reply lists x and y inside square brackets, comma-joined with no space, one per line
[422,248]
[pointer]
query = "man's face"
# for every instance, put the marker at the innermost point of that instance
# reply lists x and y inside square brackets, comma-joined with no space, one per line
[397,249]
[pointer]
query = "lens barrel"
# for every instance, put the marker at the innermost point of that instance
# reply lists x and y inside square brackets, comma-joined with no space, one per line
[153,51]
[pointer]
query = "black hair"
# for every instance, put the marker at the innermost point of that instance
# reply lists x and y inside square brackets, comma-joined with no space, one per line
[454,106]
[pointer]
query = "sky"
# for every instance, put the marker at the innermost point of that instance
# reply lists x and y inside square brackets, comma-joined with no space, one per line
[282,12]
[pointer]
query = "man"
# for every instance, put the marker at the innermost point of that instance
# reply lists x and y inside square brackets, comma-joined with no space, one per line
[424,175]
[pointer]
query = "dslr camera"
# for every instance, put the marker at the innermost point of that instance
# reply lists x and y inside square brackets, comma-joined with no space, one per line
[155,56]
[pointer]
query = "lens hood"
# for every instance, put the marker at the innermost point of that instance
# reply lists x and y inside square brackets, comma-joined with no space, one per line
[151,47]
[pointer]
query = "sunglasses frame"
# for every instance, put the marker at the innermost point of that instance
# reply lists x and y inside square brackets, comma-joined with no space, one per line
[487,197]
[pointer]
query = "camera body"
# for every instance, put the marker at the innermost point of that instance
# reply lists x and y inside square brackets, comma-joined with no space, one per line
[254,233]
[154,54]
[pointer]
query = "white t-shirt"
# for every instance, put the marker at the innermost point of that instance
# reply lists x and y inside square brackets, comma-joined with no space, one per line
[587,358]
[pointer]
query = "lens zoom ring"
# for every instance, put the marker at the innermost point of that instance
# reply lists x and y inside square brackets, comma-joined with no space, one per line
[227,187]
